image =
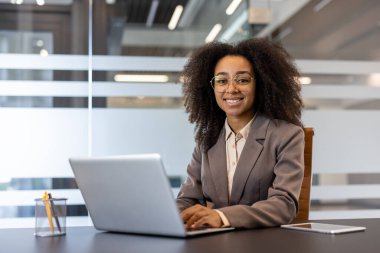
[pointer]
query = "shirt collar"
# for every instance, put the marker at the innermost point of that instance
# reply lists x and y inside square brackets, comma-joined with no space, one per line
[244,131]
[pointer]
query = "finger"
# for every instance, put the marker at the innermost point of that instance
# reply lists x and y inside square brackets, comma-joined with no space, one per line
[189,212]
[205,222]
[209,220]
[194,218]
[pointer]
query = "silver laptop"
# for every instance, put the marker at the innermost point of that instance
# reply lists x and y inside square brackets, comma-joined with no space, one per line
[130,194]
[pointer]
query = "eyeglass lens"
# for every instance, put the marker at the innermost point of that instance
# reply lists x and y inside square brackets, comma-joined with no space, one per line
[220,82]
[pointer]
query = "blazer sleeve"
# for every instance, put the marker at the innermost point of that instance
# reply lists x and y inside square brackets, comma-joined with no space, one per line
[191,190]
[282,203]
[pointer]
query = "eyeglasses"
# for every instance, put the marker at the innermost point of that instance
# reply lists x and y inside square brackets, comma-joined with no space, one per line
[220,82]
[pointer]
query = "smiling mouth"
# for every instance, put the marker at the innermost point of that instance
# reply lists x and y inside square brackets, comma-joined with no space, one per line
[233,101]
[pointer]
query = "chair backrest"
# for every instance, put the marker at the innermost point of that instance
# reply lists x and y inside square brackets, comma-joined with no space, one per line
[304,200]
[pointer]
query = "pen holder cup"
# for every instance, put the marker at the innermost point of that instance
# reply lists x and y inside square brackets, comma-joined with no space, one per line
[50,217]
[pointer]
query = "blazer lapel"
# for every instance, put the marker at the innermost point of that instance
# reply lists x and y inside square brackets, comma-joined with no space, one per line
[217,159]
[248,157]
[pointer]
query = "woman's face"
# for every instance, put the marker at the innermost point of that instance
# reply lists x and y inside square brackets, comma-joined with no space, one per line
[235,87]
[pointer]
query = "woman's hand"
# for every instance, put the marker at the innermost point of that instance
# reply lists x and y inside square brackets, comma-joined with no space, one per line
[201,216]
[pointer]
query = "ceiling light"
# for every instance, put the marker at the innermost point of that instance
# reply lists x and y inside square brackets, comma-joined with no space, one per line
[175,18]
[152,13]
[141,78]
[374,79]
[305,80]
[213,33]
[17,1]
[232,7]
[284,33]
[40,2]
[319,6]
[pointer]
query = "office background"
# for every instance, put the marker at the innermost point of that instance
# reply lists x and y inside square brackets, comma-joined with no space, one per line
[102,77]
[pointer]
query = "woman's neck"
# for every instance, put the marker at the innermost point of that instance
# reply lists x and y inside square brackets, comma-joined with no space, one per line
[238,123]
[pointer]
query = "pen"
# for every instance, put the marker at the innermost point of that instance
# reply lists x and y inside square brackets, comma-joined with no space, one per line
[48,211]
[53,211]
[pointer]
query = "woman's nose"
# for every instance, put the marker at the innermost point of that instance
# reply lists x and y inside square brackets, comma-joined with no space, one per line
[231,87]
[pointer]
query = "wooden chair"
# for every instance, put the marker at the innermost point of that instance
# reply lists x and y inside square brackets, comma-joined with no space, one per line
[304,200]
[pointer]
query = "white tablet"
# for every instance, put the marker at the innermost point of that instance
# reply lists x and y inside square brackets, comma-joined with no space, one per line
[323,228]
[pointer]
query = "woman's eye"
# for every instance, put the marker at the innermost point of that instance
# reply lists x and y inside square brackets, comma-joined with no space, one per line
[242,80]
[221,81]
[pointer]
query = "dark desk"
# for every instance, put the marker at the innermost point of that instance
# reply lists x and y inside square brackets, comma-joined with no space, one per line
[87,239]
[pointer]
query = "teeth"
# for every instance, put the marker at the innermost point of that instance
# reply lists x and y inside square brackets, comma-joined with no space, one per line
[233,101]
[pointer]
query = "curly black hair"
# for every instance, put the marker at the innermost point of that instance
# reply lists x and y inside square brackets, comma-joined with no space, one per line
[277,86]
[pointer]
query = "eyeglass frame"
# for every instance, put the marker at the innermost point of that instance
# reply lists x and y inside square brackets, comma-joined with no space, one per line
[233,80]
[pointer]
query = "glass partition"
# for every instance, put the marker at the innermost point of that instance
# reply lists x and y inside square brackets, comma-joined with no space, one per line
[43,104]
[96,78]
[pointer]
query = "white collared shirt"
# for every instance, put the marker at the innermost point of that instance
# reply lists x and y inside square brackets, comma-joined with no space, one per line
[234,146]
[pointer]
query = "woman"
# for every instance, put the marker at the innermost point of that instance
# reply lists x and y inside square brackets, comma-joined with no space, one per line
[247,167]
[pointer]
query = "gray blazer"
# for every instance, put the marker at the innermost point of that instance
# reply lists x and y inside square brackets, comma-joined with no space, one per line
[267,181]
